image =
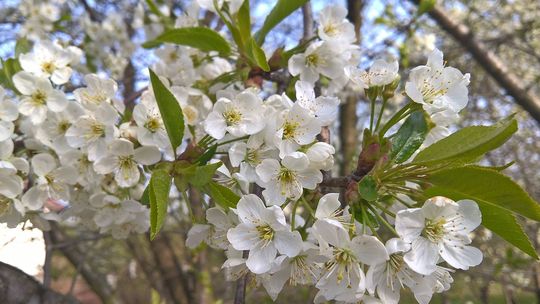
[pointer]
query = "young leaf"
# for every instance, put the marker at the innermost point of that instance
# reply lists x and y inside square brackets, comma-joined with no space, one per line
[10,67]
[203,159]
[409,137]
[22,46]
[282,9]
[201,38]
[203,174]
[223,196]
[170,110]
[367,188]
[257,55]
[468,144]
[160,185]
[484,186]
[244,22]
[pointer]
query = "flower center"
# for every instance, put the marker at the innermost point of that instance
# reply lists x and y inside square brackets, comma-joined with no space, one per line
[330,29]
[5,204]
[252,157]
[153,124]
[434,229]
[48,67]
[289,129]
[286,176]
[39,97]
[97,130]
[266,233]
[125,163]
[343,256]
[96,99]
[302,272]
[232,117]
[312,60]
[63,126]
[396,262]
[191,114]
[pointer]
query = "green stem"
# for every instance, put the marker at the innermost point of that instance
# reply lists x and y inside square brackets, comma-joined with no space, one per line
[188,205]
[383,221]
[380,114]
[232,140]
[293,214]
[396,118]
[308,207]
[384,209]
[372,116]
[401,201]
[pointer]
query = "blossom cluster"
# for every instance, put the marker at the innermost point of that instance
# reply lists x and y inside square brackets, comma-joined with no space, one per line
[81,157]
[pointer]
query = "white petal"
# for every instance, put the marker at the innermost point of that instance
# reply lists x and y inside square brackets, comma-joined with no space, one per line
[250,208]
[410,223]
[369,250]
[105,164]
[459,256]
[34,198]
[423,256]
[260,259]
[56,101]
[43,164]
[147,155]
[196,235]
[470,215]
[25,82]
[288,243]
[121,147]
[328,204]
[243,237]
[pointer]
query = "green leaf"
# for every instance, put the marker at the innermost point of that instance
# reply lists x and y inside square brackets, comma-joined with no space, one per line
[203,174]
[10,67]
[244,21]
[201,38]
[22,46]
[497,196]
[468,144]
[282,9]
[203,159]
[153,7]
[170,110]
[409,137]
[222,195]
[258,56]
[367,188]
[145,198]
[483,185]
[160,185]
[425,6]
[505,225]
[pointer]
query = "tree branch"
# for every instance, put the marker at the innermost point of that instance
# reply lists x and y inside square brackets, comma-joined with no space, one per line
[18,287]
[76,257]
[489,62]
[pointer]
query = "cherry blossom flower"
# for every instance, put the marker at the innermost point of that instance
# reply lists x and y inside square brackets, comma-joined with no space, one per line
[264,232]
[440,229]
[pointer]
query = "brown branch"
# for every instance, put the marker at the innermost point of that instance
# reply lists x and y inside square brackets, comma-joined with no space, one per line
[307,13]
[489,62]
[18,287]
[47,265]
[76,257]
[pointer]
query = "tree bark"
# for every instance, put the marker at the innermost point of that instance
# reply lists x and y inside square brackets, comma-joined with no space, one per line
[348,120]
[489,62]
[17,287]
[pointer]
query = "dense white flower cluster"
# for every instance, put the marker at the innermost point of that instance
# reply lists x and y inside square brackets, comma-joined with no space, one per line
[80,157]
